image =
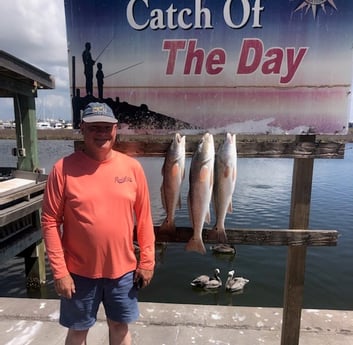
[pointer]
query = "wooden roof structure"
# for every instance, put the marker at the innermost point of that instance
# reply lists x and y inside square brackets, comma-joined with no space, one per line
[20,77]
[20,81]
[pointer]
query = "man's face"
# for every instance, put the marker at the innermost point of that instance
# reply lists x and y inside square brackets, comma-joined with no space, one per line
[99,135]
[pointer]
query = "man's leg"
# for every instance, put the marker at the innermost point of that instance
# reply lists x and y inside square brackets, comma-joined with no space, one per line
[76,337]
[118,333]
[78,314]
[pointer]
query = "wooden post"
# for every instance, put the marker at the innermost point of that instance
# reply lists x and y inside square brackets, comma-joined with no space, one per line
[295,272]
[26,132]
[27,154]
[35,266]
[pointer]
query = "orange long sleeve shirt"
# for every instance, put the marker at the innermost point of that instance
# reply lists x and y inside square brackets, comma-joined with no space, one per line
[88,216]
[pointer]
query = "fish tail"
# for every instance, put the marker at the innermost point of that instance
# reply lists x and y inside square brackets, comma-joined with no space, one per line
[195,245]
[168,226]
[217,234]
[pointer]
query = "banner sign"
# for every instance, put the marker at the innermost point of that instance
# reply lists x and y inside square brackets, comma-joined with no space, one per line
[245,66]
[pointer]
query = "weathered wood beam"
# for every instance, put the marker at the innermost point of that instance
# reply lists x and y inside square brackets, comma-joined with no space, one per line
[251,149]
[20,209]
[264,237]
[19,242]
[12,86]
[295,271]
[157,147]
[25,193]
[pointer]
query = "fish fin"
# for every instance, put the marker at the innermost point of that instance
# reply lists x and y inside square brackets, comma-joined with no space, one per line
[222,237]
[195,245]
[230,207]
[204,173]
[208,217]
[226,172]
[175,169]
[217,234]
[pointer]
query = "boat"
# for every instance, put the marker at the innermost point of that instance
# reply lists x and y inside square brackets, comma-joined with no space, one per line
[43,125]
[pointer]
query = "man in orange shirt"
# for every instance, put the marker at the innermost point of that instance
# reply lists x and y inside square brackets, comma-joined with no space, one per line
[92,202]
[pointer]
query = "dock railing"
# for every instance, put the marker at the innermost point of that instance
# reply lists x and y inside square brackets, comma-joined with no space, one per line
[304,149]
[298,237]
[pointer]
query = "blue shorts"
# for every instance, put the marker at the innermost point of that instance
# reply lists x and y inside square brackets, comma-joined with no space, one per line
[119,298]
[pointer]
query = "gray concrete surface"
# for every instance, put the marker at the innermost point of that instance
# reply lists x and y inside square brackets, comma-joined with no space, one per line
[35,321]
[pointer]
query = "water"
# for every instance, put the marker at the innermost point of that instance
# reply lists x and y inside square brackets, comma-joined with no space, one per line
[261,200]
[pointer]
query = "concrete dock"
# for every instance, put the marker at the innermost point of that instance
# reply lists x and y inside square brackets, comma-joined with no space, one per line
[35,321]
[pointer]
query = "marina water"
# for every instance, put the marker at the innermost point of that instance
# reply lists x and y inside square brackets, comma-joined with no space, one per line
[261,201]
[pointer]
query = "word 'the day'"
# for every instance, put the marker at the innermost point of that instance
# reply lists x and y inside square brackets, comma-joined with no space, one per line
[283,62]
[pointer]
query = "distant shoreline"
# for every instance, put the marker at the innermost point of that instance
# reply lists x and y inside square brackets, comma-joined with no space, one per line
[45,134]
[70,134]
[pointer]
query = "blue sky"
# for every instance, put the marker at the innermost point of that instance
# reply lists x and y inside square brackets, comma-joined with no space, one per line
[37,35]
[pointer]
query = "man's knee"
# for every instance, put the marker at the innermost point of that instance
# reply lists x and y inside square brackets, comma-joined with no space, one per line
[75,337]
[118,326]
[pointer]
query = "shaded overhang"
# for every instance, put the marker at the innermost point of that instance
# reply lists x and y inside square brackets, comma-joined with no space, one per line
[19,77]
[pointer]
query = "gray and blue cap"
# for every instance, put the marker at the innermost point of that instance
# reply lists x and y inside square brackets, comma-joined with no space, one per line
[98,112]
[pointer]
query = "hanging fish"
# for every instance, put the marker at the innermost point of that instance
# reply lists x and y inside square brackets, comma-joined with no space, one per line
[173,172]
[200,190]
[224,185]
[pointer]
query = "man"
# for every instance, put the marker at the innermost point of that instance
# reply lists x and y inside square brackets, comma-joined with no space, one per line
[88,64]
[91,201]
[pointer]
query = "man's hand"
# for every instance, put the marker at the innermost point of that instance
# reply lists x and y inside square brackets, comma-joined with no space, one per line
[144,275]
[65,286]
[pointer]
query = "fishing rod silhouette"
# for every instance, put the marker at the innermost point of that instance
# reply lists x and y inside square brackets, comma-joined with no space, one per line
[124,69]
[103,50]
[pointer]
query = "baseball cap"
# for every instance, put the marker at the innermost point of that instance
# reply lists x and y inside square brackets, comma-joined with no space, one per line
[98,112]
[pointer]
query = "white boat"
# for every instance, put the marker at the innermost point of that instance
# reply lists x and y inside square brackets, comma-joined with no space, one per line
[58,125]
[43,125]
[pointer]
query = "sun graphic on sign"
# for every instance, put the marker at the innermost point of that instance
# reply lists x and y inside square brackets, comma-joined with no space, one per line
[314,4]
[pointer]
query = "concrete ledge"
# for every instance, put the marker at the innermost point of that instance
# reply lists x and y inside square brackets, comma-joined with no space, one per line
[36,322]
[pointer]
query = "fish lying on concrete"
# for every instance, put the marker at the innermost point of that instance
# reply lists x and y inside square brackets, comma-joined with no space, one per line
[200,190]
[173,172]
[225,174]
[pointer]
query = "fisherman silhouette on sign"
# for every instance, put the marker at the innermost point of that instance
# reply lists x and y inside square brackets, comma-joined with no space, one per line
[100,80]
[88,63]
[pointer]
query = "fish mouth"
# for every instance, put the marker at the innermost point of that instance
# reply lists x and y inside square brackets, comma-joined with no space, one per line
[179,138]
[205,142]
[205,137]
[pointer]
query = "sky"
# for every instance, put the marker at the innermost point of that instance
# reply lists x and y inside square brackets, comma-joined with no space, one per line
[35,32]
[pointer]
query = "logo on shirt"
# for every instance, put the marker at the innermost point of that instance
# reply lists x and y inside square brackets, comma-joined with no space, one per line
[122,179]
